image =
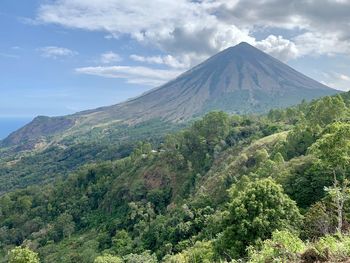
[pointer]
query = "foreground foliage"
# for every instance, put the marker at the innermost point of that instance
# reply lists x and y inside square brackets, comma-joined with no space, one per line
[258,208]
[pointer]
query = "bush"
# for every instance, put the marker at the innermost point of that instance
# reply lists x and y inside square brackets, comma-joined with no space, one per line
[23,255]
[284,246]
[108,259]
[200,252]
[145,257]
[334,247]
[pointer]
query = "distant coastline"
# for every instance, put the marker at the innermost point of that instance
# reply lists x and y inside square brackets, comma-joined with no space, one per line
[10,124]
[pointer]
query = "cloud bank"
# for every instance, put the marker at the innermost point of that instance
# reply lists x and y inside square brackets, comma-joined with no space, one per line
[189,31]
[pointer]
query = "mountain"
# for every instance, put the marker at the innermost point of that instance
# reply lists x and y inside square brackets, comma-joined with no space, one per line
[240,79]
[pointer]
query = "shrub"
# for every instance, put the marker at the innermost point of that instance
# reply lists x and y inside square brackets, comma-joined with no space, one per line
[23,255]
[284,246]
[200,252]
[334,247]
[108,259]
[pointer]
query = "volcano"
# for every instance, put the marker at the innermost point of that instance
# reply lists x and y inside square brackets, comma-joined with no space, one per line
[241,79]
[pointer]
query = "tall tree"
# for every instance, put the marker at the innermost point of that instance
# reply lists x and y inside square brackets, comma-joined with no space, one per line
[327,110]
[333,150]
[254,213]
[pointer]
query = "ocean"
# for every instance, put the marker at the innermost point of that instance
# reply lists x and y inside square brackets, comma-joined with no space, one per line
[8,125]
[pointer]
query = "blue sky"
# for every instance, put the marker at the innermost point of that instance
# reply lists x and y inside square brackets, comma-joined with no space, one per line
[62,56]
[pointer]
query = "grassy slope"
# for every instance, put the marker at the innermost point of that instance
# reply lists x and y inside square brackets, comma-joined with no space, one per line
[230,166]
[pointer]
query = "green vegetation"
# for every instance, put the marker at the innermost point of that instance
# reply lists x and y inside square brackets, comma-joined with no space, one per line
[271,188]
[57,157]
[285,246]
[108,259]
[23,255]
[258,208]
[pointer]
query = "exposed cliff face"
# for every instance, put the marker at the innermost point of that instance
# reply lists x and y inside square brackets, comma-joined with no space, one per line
[240,79]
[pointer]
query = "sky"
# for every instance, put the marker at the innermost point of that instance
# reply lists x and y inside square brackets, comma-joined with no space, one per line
[62,56]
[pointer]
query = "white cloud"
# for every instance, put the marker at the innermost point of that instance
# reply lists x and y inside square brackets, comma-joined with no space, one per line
[167,60]
[278,47]
[110,57]
[189,31]
[186,30]
[317,27]
[313,43]
[344,77]
[56,52]
[135,75]
[192,30]
[152,60]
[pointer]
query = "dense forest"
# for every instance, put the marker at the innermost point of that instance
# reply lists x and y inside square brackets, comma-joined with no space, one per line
[21,167]
[271,188]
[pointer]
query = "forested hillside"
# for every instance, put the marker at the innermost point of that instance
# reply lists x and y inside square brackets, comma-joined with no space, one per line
[229,188]
[54,160]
